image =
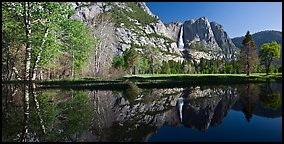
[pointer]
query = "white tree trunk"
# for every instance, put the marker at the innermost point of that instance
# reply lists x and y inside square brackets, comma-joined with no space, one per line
[39,55]
[28,42]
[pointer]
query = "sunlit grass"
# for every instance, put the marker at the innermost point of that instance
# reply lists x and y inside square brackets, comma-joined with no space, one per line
[259,75]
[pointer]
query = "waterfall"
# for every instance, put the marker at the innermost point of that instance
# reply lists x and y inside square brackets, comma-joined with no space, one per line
[180,41]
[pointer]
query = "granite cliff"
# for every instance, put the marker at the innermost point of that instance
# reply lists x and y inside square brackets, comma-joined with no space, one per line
[121,26]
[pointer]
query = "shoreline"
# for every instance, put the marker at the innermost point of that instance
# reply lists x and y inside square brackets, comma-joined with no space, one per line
[155,81]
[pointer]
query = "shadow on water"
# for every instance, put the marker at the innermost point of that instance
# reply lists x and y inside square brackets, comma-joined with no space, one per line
[131,114]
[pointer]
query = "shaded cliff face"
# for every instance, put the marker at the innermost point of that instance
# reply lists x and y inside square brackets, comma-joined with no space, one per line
[199,30]
[224,42]
[173,30]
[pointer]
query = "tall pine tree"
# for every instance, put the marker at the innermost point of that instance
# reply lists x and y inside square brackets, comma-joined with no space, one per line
[249,54]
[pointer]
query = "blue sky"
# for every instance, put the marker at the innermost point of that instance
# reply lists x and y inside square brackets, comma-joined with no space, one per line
[236,17]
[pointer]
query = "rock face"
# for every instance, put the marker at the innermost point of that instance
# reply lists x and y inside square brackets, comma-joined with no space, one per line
[115,36]
[207,40]
[223,41]
[173,30]
[143,6]
[121,26]
[198,30]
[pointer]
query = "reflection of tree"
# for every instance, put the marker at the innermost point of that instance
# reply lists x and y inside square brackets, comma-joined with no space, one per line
[25,131]
[69,117]
[248,97]
[50,115]
[12,112]
[39,114]
[131,92]
[269,98]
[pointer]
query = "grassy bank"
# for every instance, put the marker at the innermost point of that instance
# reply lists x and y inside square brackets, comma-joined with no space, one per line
[159,81]
[181,80]
[201,77]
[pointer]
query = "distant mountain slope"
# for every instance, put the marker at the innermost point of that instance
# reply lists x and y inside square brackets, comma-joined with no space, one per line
[263,37]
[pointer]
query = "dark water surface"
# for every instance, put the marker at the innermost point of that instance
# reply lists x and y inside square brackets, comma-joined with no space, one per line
[243,112]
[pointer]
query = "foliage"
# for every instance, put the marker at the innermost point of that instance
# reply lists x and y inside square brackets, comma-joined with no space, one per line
[199,46]
[151,54]
[77,39]
[143,65]
[280,69]
[139,14]
[47,32]
[121,15]
[166,68]
[268,52]
[118,61]
[131,59]
[169,40]
[228,68]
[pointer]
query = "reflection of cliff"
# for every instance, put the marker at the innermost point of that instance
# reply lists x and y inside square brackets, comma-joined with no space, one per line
[208,107]
[118,118]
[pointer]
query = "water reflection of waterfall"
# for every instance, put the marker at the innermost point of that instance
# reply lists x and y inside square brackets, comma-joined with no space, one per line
[180,41]
[180,104]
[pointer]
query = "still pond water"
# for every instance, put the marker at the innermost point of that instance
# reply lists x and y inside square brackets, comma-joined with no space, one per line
[243,112]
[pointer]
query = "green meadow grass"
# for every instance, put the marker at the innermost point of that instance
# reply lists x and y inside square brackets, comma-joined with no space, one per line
[157,81]
[253,75]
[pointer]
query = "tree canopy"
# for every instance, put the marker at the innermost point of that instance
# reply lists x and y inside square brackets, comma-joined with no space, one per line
[45,31]
[268,52]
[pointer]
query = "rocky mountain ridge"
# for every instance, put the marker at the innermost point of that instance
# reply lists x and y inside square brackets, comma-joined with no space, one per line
[204,39]
[121,26]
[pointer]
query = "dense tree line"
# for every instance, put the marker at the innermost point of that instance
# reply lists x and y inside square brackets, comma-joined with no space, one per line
[40,39]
